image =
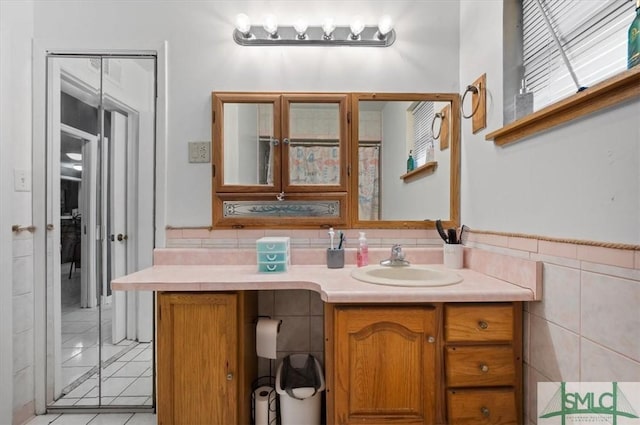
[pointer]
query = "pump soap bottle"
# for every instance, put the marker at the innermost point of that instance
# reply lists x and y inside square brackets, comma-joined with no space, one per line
[362,257]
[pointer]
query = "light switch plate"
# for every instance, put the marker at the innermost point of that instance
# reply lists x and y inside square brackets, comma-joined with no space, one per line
[199,152]
[21,180]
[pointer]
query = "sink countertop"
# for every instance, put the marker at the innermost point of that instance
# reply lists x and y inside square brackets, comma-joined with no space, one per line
[334,285]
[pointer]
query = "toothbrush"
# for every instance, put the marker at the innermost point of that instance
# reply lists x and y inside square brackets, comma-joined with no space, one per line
[341,239]
[331,234]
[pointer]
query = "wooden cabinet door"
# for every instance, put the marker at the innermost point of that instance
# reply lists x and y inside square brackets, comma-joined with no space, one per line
[197,358]
[385,365]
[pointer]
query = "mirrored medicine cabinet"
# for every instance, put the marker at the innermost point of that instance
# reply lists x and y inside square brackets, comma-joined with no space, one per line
[309,160]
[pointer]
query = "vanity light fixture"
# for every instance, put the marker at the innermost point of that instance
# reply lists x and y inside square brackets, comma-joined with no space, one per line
[74,156]
[302,34]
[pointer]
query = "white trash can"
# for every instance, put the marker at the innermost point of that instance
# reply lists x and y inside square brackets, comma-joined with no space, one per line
[303,406]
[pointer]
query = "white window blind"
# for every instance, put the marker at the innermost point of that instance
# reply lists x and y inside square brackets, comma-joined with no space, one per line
[422,118]
[593,34]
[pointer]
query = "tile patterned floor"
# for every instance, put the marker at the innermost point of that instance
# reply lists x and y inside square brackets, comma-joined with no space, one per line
[95,419]
[127,366]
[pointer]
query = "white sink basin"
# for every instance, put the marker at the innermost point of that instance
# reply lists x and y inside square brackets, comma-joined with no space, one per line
[405,276]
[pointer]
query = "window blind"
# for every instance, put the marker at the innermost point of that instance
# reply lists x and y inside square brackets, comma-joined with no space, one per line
[422,118]
[593,34]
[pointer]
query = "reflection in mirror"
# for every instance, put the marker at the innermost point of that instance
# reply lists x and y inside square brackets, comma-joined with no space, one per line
[388,131]
[249,142]
[314,144]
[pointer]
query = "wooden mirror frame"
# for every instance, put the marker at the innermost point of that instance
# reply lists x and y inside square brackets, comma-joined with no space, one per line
[454,181]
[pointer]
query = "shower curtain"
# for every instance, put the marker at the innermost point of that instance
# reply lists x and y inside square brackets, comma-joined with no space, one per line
[368,183]
[321,165]
[314,164]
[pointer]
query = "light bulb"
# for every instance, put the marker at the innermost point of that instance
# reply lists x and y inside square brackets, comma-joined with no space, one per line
[243,24]
[74,156]
[301,27]
[356,27]
[270,25]
[385,25]
[328,26]
[77,167]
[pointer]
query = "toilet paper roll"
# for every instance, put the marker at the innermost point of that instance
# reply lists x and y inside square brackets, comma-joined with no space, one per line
[263,398]
[266,337]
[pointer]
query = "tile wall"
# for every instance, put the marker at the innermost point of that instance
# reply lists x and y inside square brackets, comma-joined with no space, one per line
[23,331]
[587,326]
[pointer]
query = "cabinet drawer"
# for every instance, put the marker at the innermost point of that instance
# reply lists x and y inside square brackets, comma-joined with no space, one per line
[273,267]
[481,407]
[478,323]
[471,366]
[270,257]
[271,246]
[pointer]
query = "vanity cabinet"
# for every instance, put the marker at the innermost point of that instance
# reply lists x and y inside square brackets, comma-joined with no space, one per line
[441,363]
[206,357]
[383,362]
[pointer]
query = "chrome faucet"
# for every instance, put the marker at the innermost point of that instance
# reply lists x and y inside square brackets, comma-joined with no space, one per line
[396,259]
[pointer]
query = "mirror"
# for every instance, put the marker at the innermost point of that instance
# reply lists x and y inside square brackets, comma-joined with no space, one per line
[387,192]
[249,137]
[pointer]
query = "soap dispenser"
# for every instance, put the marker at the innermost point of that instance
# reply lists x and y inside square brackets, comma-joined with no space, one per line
[362,256]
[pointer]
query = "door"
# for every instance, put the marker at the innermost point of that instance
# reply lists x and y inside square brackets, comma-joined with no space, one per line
[197,358]
[385,365]
[101,117]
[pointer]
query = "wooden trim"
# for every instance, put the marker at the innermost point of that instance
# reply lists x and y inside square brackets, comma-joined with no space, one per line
[479,118]
[424,169]
[609,92]
[445,126]
[329,361]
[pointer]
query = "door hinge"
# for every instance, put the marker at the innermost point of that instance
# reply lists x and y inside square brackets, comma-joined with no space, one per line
[213,116]
[349,170]
[213,169]
[348,117]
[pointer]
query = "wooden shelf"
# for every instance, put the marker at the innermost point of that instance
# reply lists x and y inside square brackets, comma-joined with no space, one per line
[609,92]
[425,169]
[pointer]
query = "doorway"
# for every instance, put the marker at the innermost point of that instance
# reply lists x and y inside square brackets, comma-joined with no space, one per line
[100,150]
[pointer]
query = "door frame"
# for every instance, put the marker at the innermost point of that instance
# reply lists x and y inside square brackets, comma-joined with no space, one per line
[41,50]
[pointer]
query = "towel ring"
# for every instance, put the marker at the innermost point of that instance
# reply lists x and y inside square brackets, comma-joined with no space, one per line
[474,90]
[436,116]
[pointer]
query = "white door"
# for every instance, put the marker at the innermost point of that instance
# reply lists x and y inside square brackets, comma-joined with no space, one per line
[118,235]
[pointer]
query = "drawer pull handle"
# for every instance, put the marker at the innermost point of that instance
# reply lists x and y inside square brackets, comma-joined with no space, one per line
[483,325]
[485,411]
[484,368]
[272,257]
[431,339]
[271,267]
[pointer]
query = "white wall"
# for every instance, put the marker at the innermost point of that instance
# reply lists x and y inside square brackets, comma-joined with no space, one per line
[16,251]
[203,58]
[426,196]
[580,180]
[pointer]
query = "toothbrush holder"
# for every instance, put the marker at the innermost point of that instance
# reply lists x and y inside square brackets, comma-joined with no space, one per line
[453,255]
[335,258]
